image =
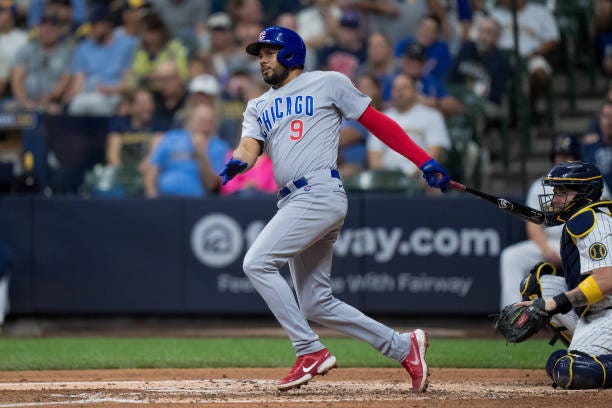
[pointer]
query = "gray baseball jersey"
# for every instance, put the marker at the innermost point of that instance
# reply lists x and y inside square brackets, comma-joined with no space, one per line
[299,122]
[299,125]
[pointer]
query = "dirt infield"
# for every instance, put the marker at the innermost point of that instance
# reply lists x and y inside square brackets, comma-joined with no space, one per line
[247,387]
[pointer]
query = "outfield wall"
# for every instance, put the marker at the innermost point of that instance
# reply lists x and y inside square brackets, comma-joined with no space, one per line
[395,254]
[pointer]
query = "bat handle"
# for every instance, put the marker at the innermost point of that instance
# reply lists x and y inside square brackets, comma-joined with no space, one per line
[456,185]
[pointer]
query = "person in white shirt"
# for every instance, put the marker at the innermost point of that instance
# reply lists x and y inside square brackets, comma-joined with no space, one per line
[538,36]
[11,41]
[425,125]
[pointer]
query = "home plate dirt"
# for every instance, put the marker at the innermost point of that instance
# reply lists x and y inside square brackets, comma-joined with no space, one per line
[247,387]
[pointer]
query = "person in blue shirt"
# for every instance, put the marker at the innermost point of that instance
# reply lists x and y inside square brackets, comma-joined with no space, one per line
[597,143]
[438,57]
[186,161]
[432,92]
[100,63]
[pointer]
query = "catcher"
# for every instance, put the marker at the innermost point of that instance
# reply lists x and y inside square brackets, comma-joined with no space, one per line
[579,303]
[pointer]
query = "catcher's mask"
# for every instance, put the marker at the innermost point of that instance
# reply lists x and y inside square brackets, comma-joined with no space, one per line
[575,184]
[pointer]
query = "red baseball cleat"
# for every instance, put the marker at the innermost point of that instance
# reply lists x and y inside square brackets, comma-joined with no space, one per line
[415,363]
[306,367]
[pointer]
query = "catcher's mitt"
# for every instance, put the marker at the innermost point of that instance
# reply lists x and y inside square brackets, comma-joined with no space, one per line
[518,323]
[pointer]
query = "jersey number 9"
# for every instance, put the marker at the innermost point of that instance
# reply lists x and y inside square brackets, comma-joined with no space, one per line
[297,130]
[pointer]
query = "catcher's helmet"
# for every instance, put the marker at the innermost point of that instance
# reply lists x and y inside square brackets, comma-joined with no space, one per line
[292,51]
[582,179]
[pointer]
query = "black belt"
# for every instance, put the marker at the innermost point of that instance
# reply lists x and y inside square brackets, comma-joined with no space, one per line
[302,182]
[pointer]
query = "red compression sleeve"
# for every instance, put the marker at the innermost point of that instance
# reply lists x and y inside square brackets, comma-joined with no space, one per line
[391,134]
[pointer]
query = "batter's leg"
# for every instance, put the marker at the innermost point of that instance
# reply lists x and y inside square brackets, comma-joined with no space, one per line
[296,226]
[311,272]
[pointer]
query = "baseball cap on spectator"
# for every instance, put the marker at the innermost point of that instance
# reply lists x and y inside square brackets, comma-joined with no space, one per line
[415,51]
[8,5]
[566,144]
[219,21]
[99,13]
[206,84]
[350,19]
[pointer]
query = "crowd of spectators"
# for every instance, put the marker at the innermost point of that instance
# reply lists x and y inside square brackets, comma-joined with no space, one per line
[174,77]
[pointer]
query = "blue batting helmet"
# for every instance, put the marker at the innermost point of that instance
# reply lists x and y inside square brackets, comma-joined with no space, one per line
[292,48]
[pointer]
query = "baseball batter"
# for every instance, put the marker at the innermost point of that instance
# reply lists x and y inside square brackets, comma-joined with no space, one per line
[587,268]
[297,123]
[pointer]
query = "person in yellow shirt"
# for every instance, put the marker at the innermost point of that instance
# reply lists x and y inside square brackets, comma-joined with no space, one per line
[156,47]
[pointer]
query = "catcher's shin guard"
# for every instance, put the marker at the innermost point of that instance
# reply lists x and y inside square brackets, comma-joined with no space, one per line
[575,370]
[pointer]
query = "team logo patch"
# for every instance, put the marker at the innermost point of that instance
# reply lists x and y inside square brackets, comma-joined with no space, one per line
[598,251]
[262,35]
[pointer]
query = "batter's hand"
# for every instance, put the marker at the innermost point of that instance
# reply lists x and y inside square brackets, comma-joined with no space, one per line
[435,175]
[232,167]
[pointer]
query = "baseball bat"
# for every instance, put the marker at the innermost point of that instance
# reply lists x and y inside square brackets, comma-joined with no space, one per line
[520,210]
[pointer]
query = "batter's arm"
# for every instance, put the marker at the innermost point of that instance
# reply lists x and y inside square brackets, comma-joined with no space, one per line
[242,159]
[391,134]
[248,151]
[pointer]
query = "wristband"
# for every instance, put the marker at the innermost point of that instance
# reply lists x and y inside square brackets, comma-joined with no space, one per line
[591,290]
[563,304]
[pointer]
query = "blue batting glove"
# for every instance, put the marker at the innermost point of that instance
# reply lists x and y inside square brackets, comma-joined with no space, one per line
[435,175]
[232,167]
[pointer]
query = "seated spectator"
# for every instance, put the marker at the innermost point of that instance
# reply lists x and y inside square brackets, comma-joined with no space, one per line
[71,13]
[204,90]
[131,13]
[239,90]
[431,92]
[129,141]
[287,20]
[538,38]
[398,19]
[11,41]
[481,66]
[156,47]
[41,72]
[349,49]
[241,61]
[436,52]
[186,162]
[603,32]
[317,25]
[100,64]
[184,18]
[424,125]
[380,63]
[222,46]
[245,11]
[353,136]
[170,95]
[597,143]
[257,181]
